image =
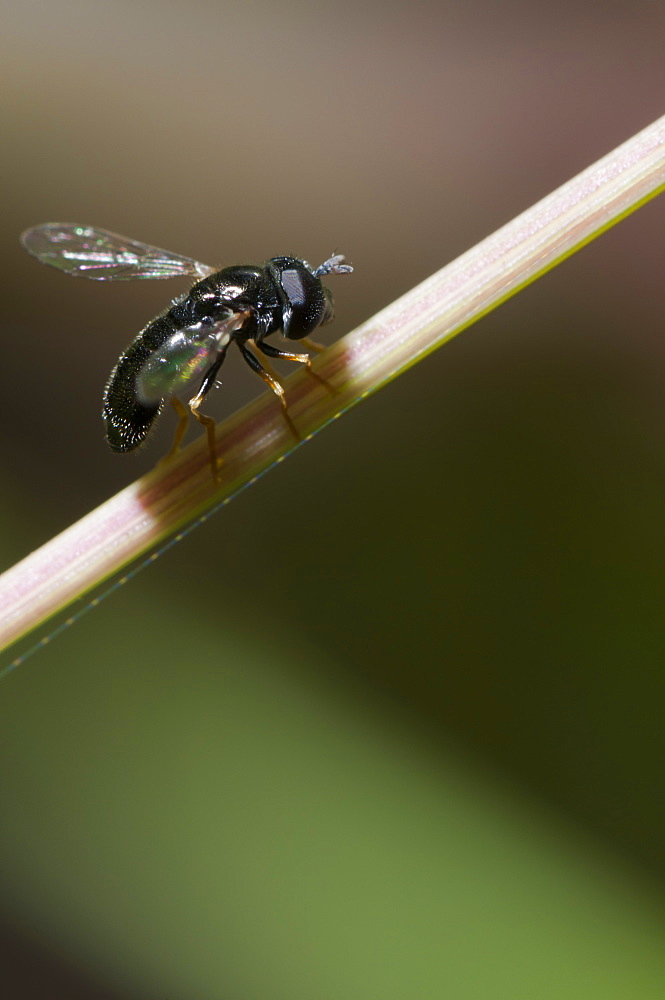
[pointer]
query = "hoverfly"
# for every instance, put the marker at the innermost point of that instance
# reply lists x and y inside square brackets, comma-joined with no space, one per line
[245,303]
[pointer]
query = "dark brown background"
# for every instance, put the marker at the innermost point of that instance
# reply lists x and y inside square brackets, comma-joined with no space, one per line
[391,723]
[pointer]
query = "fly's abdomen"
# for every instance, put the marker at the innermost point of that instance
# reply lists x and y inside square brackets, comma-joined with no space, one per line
[126,418]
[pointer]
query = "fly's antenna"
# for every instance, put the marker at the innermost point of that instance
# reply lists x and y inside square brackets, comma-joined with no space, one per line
[337,264]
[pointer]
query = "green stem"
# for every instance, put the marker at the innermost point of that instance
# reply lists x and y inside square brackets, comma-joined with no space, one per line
[175,494]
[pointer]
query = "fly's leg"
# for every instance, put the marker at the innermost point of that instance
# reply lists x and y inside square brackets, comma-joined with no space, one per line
[312,345]
[184,412]
[209,425]
[273,382]
[181,429]
[265,363]
[303,359]
[208,422]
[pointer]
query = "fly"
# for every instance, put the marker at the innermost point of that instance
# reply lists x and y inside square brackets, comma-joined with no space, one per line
[245,304]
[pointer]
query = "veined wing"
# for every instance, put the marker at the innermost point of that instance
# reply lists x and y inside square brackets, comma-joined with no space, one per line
[87,252]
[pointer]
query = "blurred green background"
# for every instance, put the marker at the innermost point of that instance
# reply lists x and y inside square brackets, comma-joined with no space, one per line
[390,725]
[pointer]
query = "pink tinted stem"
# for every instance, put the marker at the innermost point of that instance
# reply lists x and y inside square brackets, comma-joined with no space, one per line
[161,503]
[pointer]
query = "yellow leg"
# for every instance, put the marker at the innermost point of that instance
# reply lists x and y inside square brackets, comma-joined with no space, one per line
[267,367]
[278,389]
[313,345]
[307,361]
[180,431]
[302,359]
[271,379]
[209,425]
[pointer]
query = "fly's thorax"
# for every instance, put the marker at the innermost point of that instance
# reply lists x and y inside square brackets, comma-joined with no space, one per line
[244,288]
[243,284]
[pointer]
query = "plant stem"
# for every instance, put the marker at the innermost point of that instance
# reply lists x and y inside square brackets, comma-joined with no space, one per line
[176,493]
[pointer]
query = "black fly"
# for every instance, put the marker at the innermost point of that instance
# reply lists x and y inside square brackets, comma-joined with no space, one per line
[189,340]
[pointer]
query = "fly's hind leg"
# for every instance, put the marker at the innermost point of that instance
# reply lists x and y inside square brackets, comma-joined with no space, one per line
[303,359]
[193,408]
[208,422]
[272,381]
[209,425]
[181,429]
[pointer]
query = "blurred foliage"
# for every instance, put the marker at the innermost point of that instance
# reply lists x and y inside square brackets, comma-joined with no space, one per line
[197,809]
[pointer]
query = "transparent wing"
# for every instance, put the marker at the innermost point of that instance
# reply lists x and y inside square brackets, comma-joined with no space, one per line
[185,356]
[86,252]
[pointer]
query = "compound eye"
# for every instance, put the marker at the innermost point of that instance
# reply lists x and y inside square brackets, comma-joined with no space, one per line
[292,283]
[301,293]
[305,300]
